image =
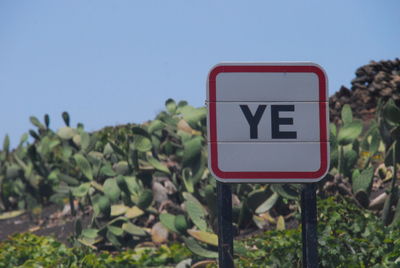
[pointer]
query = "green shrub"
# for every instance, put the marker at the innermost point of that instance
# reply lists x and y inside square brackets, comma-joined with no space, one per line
[348,237]
[29,250]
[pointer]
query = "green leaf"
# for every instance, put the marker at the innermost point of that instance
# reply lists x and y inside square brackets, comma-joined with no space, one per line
[6,143]
[108,149]
[375,141]
[81,190]
[134,186]
[97,186]
[155,125]
[206,237]
[168,220]
[389,154]
[113,238]
[286,191]
[182,103]
[111,189]
[181,224]
[66,152]
[47,120]
[90,233]
[53,144]
[53,176]
[34,134]
[68,179]
[347,115]
[142,140]
[350,160]
[145,199]
[363,181]
[196,211]
[122,168]
[78,227]
[77,140]
[387,212]
[36,122]
[11,214]
[256,198]
[121,182]
[192,150]
[332,129]
[194,247]
[395,133]
[116,149]
[396,217]
[107,170]
[87,242]
[280,224]
[133,229]
[85,140]
[65,117]
[133,212]
[142,143]
[66,133]
[103,203]
[332,135]
[117,221]
[349,132]
[158,165]
[119,209]
[355,174]
[193,115]
[115,230]
[171,106]
[268,204]
[186,174]
[24,138]
[84,166]
[13,172]
[391,112]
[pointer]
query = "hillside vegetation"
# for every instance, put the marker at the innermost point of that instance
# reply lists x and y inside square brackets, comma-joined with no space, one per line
[146,187]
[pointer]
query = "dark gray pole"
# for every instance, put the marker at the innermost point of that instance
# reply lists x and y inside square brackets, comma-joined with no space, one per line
[225,231]
[309,226]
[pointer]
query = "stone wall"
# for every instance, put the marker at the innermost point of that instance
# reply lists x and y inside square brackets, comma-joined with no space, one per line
[373,81]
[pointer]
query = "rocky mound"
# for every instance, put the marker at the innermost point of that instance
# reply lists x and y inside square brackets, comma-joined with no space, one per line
[373,81]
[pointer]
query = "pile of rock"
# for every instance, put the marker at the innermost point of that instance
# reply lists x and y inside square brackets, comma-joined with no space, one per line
[373,81]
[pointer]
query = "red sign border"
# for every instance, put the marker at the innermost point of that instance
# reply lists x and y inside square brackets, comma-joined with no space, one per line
[276,175]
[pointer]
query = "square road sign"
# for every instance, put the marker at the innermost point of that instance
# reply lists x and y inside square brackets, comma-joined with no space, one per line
[268,122]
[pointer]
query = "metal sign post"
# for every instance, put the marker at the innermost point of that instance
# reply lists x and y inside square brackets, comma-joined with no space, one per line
[225,232]
[309,226]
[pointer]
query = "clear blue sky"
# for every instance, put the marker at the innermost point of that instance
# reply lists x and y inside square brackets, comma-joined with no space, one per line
[114,62]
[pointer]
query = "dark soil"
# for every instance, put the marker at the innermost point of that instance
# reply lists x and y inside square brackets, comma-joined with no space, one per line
[51,221]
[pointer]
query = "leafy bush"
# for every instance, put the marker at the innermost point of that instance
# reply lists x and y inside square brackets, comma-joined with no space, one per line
[28,250]
[347,235]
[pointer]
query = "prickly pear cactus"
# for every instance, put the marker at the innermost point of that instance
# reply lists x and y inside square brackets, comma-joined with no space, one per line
[147,182]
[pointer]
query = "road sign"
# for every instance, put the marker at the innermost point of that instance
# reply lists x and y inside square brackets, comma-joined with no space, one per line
[268,122]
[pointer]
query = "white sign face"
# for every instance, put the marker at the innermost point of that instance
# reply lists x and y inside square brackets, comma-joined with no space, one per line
[268,122]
